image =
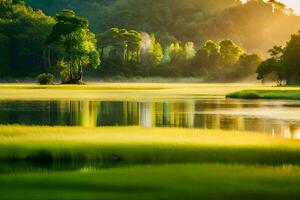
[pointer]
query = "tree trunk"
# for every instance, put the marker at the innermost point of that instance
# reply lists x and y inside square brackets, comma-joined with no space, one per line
[71,68]
[75,78]
[49,57]
[80,75]
[102,53]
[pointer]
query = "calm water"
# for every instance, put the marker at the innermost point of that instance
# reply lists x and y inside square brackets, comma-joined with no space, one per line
[270,117]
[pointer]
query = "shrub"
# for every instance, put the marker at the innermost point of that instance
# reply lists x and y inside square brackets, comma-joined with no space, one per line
[45,79]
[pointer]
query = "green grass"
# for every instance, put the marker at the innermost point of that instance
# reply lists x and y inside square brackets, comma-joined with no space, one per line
[131,145]
[156,163]
[137,91]
[122,91]
[191,181]
[266,94]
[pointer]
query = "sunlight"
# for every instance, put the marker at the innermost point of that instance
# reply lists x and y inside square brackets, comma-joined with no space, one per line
[137,99]
[294,4]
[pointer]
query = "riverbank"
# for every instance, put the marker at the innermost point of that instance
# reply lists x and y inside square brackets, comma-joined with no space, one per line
[124,91]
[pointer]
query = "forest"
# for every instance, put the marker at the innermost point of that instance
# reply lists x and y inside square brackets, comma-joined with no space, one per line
[139,38]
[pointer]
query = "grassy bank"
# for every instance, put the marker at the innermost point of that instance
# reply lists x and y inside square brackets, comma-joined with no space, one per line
[266,94]
[137,145]
[192,181]
[122,91]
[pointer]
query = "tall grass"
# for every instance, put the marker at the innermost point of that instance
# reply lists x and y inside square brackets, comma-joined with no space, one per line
[125,91]
[192,181]
[137,145]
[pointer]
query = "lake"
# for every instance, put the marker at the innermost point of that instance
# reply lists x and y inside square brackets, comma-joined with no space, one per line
[280,118]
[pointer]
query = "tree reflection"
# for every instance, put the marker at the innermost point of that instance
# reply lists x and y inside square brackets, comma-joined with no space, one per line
[183,114]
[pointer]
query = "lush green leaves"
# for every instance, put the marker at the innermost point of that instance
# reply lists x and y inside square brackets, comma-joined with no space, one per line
[73,35]
[22,35]
[284,62]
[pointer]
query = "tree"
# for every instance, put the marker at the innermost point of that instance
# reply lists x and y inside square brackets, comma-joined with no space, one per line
[266,68]
[276,52]
[230,52]
[120,49]
[290,60]
[246,66]
[22,35]
[156,51]
[223,61]
[284,62]
[72,34]
[5,69]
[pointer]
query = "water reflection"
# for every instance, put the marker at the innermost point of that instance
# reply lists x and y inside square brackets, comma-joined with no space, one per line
[272,117]
[25,166]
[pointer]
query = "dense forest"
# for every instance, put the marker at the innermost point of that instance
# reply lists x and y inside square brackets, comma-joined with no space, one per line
[254,26]
[143,38]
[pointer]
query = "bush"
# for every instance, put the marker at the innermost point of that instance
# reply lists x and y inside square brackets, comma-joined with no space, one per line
[45,79]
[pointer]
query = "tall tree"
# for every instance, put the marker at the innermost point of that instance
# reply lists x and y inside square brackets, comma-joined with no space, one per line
[284,62]
[72,34]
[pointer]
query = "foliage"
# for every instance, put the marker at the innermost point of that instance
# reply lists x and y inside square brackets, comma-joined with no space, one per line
[73,35]
[119,48]
[226,57]
[283,62]
[156,51]
[266,68]
[154,38]
[22,35]
[254,24]
[45,79]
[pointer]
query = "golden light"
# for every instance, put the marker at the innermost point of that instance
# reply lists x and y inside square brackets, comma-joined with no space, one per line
[294,4]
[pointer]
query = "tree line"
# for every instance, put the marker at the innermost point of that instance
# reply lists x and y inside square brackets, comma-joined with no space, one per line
[256,26]
[28,49]
[283,64]
[32,43]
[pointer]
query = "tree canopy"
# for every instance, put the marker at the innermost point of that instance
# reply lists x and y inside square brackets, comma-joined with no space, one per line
[256,26]
[22,35]
[72,34]
[284,62]
[217,41]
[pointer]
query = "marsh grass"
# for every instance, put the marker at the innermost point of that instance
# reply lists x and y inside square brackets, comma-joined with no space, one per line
[123,91]
[266,94]
[180,181]
[132,145]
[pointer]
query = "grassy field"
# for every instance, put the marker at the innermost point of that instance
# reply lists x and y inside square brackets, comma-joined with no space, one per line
[191,181]
[125,91]
[155,163]
[132,145]
[267,94]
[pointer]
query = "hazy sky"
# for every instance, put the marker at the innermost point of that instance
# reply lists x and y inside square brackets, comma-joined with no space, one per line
[295,4]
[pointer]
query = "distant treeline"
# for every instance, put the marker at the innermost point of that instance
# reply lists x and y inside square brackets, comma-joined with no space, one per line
[255,26]
[170,38]
[283,65]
